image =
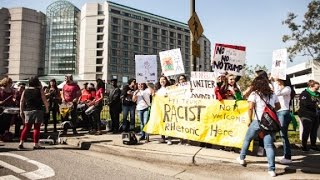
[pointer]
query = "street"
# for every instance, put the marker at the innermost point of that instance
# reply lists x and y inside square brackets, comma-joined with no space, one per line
[67,162]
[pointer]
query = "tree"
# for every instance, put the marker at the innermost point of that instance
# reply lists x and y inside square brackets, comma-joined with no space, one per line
[249,75]
[306,37]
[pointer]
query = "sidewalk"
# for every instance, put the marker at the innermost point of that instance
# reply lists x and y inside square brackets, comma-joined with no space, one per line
[187,155]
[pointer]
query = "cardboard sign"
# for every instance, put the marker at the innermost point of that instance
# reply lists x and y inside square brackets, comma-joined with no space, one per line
[229,58]
[171,62]
[279,63]
[202,84]
[146,68]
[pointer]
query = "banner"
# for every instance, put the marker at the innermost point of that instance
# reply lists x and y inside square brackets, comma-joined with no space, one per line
[171,62]
[146,68]
[222,123]
[202,84]
[229,58]
[279,64]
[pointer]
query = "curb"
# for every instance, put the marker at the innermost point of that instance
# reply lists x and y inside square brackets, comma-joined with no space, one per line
[200,158]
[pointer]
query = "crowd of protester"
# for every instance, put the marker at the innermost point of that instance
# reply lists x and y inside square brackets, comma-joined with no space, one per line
[38,104]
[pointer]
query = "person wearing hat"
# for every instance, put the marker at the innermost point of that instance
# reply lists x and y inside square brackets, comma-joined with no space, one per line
[70,94]
[115,105]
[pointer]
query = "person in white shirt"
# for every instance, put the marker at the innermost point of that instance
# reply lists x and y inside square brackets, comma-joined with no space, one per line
[260,93]
[142,97]
[283,90]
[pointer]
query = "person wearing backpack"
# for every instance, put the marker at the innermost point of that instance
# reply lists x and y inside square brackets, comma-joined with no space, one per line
[309,114]
[283,90]
[260,94]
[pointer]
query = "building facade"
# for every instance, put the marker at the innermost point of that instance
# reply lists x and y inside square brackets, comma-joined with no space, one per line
[62,38]
[112,34]
[301,73]
[22,34]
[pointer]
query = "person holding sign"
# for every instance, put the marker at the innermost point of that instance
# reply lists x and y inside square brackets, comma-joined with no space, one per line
[142,97]
[260,89]
[128,106]
[229,90]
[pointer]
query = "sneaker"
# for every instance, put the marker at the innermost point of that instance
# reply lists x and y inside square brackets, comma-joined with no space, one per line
[162,140]
[272,173]
[314,148]
[305,149]
[169,142]
[20,147]
[285,161]
[242,162]
[187,144]
[260,151]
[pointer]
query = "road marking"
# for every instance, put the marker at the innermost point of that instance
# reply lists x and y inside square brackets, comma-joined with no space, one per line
[9,177]
[42,172]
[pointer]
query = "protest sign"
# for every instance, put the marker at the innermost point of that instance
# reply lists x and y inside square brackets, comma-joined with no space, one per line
[202,84]
[171,62]
[279,64]
[229,58]
[211,121]
[146,68]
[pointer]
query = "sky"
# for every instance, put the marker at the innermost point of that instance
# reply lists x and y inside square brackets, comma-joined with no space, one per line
[255,24]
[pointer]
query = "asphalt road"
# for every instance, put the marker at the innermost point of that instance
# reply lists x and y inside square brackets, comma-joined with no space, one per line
[66,162]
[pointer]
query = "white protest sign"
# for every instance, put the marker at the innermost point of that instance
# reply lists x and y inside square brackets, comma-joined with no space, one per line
[179,90]
[279,63]
[171,62]
[146,68]
[229,58]
[202,84]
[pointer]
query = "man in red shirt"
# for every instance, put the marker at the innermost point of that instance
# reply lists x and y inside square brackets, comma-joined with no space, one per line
[70,94]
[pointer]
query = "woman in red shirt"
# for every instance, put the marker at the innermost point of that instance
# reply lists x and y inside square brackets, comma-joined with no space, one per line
[98,104]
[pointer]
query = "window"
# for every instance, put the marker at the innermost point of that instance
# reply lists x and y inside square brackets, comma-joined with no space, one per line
[136,40]
[155,37]
[126,23]
[125,38]
[115,11]
[115,20]
[114,52]
[100,12]
[155,44]
[99,69]
[125,54]
[99,45]
[114,44]
[171,41]
[136,33]
[100,29]
[125,30]
[100,21]
[114,28]
[136,25]
[146,35]
[113,68]
[146,28]
[164,32]
[125,61]
[154,51]
[179,36]
[100,37]
[136,48]
[99,52]
[186,44]
[187,38]
[171,34]
[179,42]
[145,50]
[125,46]
[114,36]
[155,30]
[164,39]
[171,47]
[125,69]
[163,46]
[99,60]
[145,42]
[113,60]
[126,14]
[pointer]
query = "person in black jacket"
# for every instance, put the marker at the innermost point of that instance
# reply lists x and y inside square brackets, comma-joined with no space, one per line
[309,114]
[115,105]
[128,106]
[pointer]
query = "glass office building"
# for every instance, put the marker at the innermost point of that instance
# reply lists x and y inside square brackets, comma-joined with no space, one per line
[62,38]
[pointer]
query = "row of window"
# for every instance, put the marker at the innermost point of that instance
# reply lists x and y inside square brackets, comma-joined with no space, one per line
[146,19]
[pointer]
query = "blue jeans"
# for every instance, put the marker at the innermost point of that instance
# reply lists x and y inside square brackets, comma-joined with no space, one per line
[267,140]
[144,117]
[126,110]
[285,118]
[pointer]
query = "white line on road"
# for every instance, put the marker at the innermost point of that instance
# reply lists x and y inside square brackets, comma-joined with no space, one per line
[9,177]
[42,172]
